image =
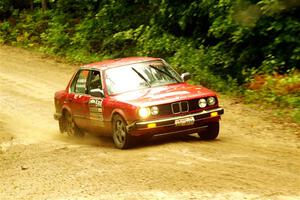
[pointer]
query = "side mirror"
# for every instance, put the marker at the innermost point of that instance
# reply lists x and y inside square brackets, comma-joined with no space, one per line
[185,76]
[97,92]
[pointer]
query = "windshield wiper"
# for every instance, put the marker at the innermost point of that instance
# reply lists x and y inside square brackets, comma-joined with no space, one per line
[164,72]
[140,75]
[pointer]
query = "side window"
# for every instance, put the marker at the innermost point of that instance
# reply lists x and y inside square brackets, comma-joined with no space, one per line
[95,80]
[79,82]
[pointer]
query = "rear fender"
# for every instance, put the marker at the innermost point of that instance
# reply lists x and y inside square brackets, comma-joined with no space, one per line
[64,110]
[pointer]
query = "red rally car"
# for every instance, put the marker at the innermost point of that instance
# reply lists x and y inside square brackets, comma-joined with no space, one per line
[136,97]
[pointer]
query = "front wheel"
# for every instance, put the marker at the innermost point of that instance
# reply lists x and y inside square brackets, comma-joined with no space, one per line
[121,138]
[211,132]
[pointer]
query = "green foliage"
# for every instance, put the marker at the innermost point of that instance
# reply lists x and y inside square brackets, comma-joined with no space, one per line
[5,30]
[280,90]
[202,63]
[235,36]
[24,29]
[57,37]
[5,6]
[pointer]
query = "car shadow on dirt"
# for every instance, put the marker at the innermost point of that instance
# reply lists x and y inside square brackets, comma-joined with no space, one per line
[107,142]
[167,139]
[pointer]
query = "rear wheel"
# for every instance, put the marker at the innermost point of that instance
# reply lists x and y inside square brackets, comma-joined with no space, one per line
[211,132]
[68,125]
[62,125]
[121,138]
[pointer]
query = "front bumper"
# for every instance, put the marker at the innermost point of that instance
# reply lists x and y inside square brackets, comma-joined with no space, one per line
[168,125]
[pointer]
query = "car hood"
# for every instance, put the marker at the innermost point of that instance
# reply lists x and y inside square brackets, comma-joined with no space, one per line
[164,94]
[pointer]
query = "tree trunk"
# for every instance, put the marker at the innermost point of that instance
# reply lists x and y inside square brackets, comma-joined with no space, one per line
[44,5]
[31,4]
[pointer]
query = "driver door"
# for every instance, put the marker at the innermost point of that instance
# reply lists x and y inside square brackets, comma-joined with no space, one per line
[96,123]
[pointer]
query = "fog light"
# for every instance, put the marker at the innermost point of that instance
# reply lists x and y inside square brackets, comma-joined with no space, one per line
[152,125]
[214,114]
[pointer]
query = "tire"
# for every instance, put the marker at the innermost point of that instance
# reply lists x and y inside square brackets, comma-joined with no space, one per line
[68,125]
[62,125]
[121,138]
[212,131]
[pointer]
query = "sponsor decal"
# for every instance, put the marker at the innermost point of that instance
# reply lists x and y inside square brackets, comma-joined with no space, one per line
[96,115]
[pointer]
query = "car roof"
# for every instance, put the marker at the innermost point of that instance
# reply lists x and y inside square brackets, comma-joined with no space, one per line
[118,62]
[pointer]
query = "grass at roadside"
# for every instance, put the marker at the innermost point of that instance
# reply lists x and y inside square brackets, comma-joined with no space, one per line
[278,91]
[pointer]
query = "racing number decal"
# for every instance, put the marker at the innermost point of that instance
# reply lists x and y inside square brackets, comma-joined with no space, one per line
[96,115]
[97,102]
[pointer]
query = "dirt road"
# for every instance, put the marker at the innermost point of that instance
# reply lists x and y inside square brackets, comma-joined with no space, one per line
[255,156]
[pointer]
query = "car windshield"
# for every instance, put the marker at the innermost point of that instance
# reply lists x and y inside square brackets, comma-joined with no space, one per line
[139,75]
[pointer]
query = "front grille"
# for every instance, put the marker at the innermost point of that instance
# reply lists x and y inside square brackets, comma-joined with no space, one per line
[184,106]
[176,107]
[179,107]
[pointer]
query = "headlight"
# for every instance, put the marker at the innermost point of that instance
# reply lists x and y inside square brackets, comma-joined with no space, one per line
[144,112]
[202,103]
[154,110]
[211,101]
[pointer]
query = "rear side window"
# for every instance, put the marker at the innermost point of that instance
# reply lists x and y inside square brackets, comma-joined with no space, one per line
[79,82]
